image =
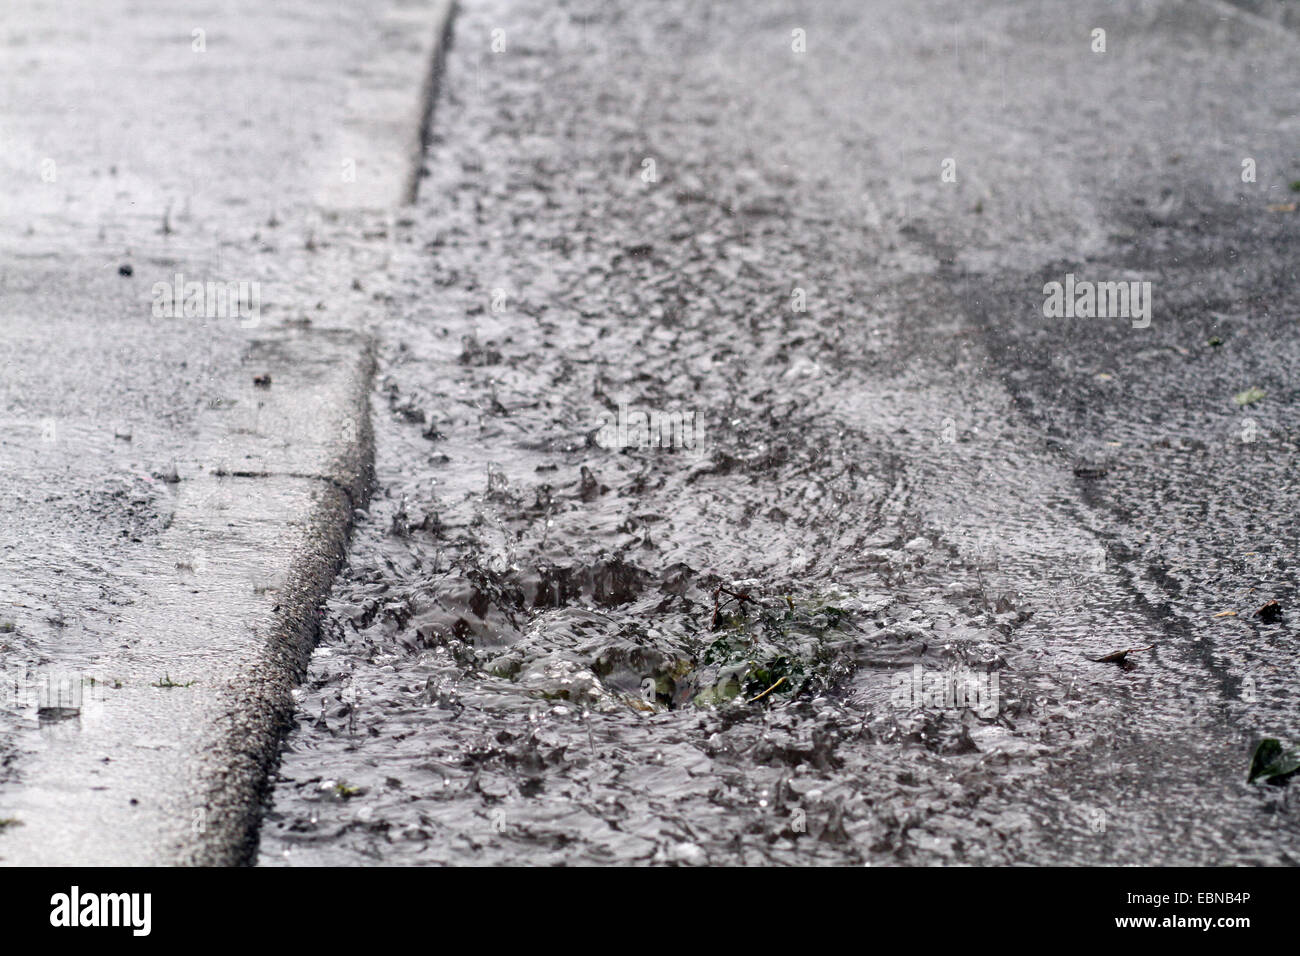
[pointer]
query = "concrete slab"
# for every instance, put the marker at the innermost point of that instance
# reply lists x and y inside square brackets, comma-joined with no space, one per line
[177,485]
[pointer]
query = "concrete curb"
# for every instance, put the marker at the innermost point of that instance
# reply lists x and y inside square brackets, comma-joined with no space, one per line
[381,144]
[259,703]
[232,781]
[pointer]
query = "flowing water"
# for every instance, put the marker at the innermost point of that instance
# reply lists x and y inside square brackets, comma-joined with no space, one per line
[726,512]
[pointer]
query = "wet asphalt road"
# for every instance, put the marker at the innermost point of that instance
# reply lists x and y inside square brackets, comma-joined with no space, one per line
[903,463]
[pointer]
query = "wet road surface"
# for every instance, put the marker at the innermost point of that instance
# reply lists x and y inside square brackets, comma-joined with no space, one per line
[821,237]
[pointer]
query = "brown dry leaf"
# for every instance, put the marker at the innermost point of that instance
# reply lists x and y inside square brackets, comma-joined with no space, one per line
[1269,612]
[1282,207]
[1117,657]
[1226,614]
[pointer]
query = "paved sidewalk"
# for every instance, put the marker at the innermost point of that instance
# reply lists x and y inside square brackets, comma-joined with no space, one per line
[197,216]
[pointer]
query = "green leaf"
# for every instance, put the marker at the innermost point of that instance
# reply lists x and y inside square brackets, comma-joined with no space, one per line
[1249,397]
[1272,763]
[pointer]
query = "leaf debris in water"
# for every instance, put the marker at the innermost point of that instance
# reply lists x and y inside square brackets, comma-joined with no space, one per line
[1119,657]
[1269,612]
[1272,763]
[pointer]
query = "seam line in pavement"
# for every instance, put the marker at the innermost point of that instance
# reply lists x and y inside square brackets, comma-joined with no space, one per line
[341,486]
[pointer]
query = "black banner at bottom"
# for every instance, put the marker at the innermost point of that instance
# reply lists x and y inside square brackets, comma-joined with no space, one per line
[1227,907]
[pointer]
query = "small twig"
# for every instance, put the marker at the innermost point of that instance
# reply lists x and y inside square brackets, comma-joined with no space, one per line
[740,597]
[546,526]
[768,691]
